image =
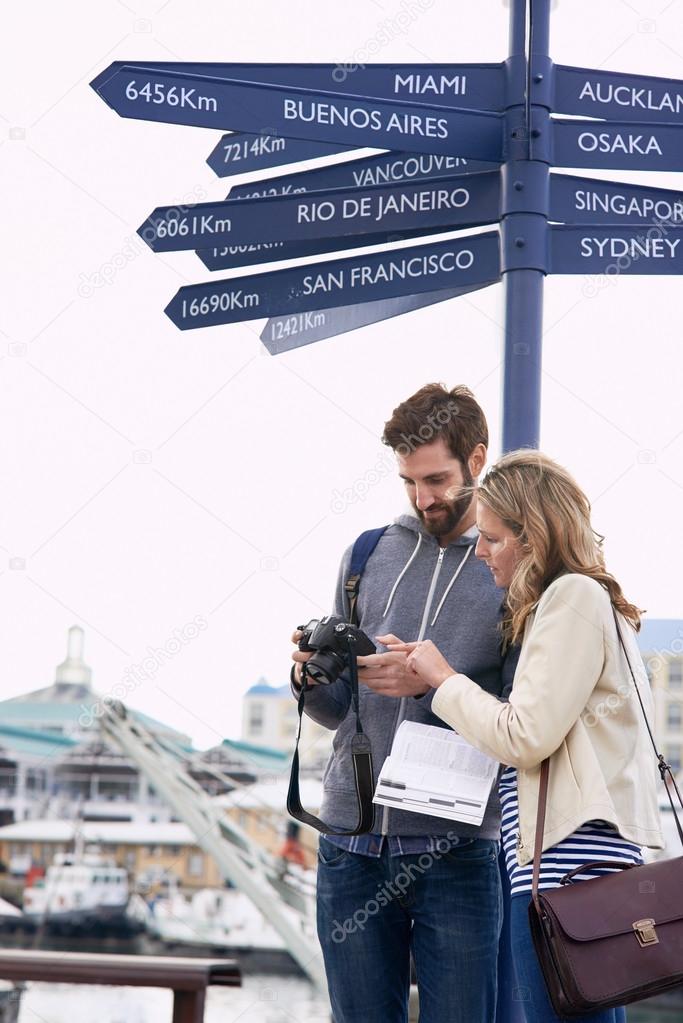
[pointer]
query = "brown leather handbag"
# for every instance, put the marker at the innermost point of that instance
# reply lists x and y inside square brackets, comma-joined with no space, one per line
[613,939]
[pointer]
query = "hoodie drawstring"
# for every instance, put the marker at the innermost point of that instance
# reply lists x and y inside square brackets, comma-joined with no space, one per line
[407,566]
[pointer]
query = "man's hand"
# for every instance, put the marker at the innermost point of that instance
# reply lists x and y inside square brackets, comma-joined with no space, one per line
[300,657]
[389,674]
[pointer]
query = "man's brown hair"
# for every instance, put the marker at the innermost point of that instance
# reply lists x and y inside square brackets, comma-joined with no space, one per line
[434,412]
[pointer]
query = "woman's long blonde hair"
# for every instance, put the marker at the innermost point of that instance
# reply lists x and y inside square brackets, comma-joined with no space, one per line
[546,509]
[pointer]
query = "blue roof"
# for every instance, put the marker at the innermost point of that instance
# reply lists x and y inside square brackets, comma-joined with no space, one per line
[36,744]
[263,689]
[260,756]
[662,636]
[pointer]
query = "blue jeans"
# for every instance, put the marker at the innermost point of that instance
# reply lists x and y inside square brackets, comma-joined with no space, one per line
[530,987]
[445,908]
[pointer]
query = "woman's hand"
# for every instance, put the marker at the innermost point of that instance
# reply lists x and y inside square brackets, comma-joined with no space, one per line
[427,661]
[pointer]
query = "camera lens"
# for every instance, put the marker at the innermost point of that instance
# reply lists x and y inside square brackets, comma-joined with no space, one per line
[325,666]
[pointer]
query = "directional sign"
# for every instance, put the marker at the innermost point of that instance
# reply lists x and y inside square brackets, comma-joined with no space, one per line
[239,152]
[284,333]
[609,94]
[467,86]
[625,146]
[575,200]
[462,201]
[385,169]
[228,257]
[408,271]
[299,113]
[613,250]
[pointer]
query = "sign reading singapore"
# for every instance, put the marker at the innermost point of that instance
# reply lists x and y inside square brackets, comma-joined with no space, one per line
[451,149]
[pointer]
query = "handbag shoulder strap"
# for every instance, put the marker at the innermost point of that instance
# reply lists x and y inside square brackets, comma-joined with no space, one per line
[665,772]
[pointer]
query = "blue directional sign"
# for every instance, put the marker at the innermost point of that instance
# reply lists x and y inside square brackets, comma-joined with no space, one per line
[385,169]
[614,250]
[239,152]
[408,271]
[624,146]
[299,113]
[462,201]
[467,86]
[284,333]
[227,257]
[575,200]
[610,94]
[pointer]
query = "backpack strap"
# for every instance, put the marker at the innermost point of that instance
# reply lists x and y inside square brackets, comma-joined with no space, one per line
[360,555]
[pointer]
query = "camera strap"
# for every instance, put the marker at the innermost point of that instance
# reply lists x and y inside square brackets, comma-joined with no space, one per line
[361,756]
[361,753]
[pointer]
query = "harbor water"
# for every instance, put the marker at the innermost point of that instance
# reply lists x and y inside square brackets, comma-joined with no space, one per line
[262,999]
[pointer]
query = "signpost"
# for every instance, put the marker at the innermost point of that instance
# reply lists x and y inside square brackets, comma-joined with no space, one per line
[465,145]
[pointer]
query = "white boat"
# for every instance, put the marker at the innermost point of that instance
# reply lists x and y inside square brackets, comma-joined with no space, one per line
[215,917]
[81,891]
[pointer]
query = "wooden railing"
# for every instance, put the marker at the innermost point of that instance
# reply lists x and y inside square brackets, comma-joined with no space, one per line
[187,978]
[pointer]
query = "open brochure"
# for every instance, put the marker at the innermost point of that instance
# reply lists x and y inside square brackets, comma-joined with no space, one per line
[435,771]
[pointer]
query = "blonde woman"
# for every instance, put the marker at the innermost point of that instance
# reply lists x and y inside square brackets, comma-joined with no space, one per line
[572,698]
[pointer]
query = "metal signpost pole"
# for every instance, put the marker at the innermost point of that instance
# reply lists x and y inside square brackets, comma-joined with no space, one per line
[524,220]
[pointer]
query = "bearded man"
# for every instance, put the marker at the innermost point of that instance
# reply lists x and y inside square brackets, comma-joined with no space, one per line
[416,884]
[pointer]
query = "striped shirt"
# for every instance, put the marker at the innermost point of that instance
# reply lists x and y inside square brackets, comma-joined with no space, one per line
[595,840]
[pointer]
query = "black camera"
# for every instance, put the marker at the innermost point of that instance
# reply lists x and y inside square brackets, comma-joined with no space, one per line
[329,639]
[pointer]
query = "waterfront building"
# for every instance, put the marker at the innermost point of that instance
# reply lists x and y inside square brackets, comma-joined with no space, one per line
[270,717]
[661,644]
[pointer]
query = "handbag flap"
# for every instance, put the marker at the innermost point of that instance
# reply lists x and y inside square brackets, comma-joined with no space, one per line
[612,903]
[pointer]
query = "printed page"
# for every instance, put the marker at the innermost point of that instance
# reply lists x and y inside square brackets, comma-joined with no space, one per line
[433,770]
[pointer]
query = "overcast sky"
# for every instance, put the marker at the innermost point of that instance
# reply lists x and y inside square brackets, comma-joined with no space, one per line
[153,477]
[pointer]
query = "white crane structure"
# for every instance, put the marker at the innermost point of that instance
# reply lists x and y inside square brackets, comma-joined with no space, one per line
[276,891]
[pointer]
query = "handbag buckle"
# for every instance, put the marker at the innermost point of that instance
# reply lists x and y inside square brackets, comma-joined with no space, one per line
[645,932]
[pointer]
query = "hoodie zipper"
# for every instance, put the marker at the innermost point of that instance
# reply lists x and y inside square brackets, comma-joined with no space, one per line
[423,629]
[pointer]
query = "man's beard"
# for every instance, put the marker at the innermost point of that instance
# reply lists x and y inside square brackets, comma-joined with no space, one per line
[451,511]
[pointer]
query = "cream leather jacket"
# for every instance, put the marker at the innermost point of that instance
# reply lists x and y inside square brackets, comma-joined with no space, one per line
[572,700]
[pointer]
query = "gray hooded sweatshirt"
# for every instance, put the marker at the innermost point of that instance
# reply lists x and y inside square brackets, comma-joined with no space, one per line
[414,589]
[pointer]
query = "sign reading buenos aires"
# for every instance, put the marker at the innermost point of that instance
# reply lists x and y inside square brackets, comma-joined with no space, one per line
[575,200]
[299,113]
[407,271]
[611,94]
[445,202]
